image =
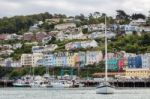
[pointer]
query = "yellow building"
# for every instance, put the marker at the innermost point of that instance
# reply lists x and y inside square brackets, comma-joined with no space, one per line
[71,59]
[140,73]
[30,59]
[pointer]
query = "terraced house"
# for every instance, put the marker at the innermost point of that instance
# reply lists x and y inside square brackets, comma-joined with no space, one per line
[70,59]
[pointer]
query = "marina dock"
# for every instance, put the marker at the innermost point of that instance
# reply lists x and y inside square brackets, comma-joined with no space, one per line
[92,83]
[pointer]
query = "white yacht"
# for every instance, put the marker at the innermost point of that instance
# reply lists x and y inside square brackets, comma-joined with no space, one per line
[40,84]
[105,87]
[61,84]
[21,83]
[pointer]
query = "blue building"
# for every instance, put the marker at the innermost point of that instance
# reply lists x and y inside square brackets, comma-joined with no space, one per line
[135,62]
[49,60]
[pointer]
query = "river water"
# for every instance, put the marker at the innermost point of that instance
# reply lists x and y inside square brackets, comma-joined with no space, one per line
[84,93]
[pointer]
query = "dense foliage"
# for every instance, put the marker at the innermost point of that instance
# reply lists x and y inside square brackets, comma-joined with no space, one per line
[131,43]
[20,24]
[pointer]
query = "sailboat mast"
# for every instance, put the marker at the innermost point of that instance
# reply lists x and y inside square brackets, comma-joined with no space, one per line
[105,49]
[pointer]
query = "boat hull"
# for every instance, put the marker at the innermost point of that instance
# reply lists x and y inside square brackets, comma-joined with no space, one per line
[21,85]
[105,90]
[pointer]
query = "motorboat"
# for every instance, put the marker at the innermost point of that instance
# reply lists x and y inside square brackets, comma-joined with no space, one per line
[21,83]
[40,84]
[61,84]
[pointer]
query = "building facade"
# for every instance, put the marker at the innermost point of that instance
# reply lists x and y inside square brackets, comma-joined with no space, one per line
[31,59]
[138,73]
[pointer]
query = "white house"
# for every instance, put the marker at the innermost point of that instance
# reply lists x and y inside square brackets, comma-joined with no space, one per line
[82,44]
[49,48]
[128,28]
[96,27]
[7,46]
[145,60]
[95,35]
[138,22]
[61,36]
[8,52]
[16,64]
[16,46]
[144,29]
[86,44]
[46,39]
[53,20]
[76,36]
[11,36]
[30,59]
[34,27]
[65,26]
[37,49]
[93,57]
[7,62]
[111,35]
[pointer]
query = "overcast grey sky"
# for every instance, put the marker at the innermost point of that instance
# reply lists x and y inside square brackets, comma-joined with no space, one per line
[72,7]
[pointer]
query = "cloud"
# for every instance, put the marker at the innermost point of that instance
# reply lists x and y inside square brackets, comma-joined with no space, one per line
[72,7]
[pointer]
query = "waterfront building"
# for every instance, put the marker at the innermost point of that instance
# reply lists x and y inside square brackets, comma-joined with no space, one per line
[61,59]
[30,59]
[109,55]
[93,57]
[113,64]
[35,58]
[26,59]
[71,59]
[135,62]
[49,60]
[145,60]
[121,64]
[80,59]
[138,73]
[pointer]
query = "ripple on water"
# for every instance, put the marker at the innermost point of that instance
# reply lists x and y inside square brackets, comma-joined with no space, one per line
[29,93]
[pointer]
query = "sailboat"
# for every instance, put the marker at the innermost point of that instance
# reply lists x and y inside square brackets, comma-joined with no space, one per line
[41,82]
[105,87]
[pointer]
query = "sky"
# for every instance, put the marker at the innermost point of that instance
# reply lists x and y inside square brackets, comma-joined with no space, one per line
[72,7]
